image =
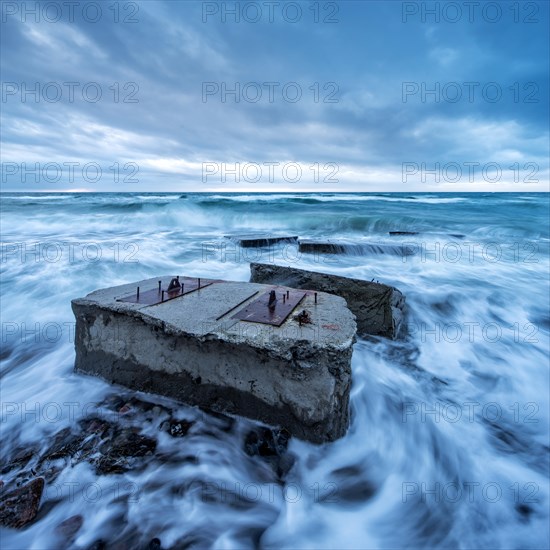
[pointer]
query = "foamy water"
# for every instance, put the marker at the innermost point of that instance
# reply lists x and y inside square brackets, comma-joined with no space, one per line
[448,443]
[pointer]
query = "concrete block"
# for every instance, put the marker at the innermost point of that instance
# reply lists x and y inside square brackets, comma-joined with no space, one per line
[191,348]
[260,239]
[378,308]
[356,249]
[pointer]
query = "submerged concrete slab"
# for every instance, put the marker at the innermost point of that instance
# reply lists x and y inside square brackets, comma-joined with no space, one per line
[378,308]
[260,239]
[358,249]
[193,348]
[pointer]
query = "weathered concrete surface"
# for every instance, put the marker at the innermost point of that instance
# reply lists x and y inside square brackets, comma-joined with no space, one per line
[358,249]
[378,308]
[293,376]
[260,239]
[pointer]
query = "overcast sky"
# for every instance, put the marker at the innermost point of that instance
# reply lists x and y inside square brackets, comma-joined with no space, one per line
[332,96]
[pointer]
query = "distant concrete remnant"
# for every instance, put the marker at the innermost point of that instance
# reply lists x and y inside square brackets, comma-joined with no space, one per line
[351,248]
[260,239]
[232,347]
[378,308]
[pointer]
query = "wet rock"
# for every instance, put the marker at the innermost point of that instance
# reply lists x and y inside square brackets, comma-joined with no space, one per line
[524,511]
[98,545]
[130,443]
[65,444]
[349,485]
[270,445]
[95,426]
[19,507]
[20,458]
[69,528]
[125,445]
[113,402]
[155,544]
[177,428]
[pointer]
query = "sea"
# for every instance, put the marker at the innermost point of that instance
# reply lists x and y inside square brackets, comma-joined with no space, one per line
[448,445]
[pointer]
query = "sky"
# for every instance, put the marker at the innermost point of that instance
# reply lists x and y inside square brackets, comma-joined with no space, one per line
[274,96]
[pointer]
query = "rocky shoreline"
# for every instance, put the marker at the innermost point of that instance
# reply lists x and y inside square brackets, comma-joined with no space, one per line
[111,440]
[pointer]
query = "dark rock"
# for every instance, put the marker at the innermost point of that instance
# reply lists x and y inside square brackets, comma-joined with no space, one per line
[350,486]
[69,528]
[19,507]
[98,545]
[397,233]
[65,444]
[524,511]
[113,402]
[116,451]
[271,445]
[179,428]
[378,308]
[129,443]
[155,544]
[95,426]
[20,457]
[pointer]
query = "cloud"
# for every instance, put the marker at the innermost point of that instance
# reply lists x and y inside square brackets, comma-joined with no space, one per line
[444,56]
[369,132]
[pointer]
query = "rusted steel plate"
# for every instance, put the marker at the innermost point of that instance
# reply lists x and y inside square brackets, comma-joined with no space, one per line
[151,297]
[260,310]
